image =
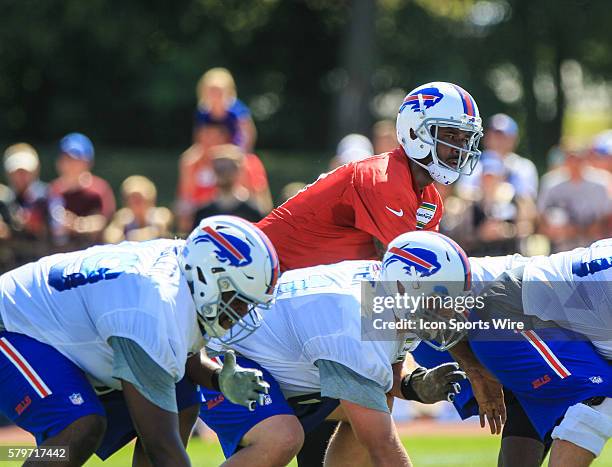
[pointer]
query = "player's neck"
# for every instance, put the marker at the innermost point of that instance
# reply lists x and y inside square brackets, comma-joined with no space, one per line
[420,176]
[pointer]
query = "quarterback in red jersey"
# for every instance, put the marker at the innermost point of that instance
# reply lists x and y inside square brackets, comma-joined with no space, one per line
[338,216]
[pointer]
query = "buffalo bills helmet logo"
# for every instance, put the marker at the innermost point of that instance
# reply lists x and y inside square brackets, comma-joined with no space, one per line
[423,261]
[230,249]
[431,96]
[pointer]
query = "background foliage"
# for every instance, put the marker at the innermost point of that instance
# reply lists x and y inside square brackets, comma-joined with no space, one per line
[311,70]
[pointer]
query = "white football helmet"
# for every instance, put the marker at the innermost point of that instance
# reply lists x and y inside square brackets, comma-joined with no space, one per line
[427,264]
[426,109]
[229,254]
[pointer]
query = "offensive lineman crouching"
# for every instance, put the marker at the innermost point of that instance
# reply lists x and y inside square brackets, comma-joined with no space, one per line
[560,372]
[312,351]
[130,318]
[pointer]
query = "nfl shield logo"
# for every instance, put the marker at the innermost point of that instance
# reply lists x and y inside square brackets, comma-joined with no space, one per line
[76,399]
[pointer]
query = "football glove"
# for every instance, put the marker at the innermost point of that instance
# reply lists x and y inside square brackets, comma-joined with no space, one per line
[242,386]
[437,384]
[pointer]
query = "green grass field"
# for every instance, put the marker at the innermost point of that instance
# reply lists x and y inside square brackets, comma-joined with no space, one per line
[448,451]
[435,450]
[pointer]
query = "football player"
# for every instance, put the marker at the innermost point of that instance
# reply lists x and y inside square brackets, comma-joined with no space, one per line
[320,364]
[130,318]
[354,211]
[337,217]
[560,372]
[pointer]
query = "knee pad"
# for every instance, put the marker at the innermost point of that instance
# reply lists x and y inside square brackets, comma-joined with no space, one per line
[587,427]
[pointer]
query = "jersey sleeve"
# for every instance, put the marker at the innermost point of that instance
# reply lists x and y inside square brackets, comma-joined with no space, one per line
[132,364]
[340,382]
[437,206]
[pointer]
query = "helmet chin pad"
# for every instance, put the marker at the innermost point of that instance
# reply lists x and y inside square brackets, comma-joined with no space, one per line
[441,174]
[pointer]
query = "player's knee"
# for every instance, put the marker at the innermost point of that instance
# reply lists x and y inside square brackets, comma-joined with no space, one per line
[587,427]
[291,442]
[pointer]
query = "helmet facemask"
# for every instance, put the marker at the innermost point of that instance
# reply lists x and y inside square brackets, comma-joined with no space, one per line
[438,315]
[440,171]
[434,310]
[226,314]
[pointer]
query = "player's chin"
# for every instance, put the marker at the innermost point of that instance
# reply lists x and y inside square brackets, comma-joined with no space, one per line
[225,322]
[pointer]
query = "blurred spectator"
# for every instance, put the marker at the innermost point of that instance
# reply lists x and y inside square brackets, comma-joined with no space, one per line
[574,204]
[384,136]
[491,220]
[231,198]
[7,220]
[22,168]
[601,151]
[498,213]
[500,141]
[352,147]
[289,191]
[80,203]
[139,219]
[197,184]
[217,101]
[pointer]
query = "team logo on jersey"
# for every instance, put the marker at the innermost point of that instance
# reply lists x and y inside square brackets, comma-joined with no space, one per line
[596,379]
[425,214]
[431,96]
[76,398]
[424,261]
[229,248]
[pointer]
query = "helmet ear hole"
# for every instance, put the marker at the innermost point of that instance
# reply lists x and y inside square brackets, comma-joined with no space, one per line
[201,275]
[413,135]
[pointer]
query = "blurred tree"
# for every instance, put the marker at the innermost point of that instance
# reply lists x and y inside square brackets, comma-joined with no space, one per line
[358,51]
[125,72]
[508,53]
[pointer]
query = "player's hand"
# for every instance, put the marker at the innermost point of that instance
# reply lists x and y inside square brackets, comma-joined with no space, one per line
[490,397]
[242,386]
[437,384]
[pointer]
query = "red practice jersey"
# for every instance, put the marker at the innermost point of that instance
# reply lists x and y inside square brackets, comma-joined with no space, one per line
[336,217]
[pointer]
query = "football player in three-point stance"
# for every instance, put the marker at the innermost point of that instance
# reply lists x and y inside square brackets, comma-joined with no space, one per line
[312,350]
[128,320]
[560,372]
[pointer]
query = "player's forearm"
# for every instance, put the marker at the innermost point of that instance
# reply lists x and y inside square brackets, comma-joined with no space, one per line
[201,370]
[375,430]
[157,428]
[399,372]
[463,355]
[391,453]
[164,452]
